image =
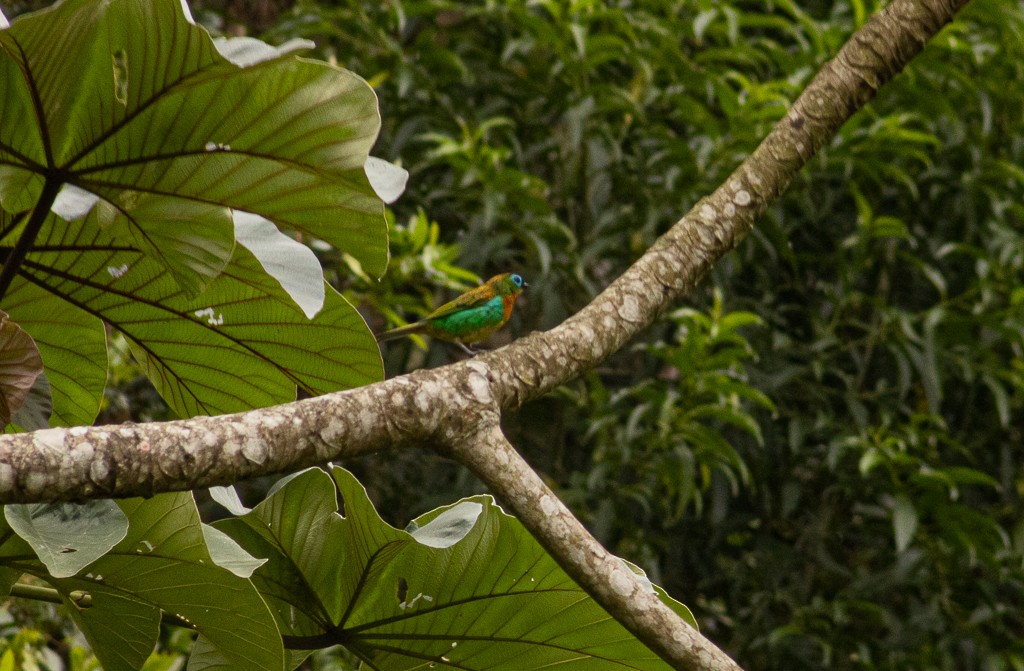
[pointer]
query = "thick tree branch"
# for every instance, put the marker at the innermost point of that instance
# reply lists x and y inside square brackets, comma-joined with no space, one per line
[432,407]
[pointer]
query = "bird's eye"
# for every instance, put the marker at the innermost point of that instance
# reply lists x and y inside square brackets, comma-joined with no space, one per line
[518,280]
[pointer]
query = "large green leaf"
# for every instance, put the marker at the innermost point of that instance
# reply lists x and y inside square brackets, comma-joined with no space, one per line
[165,149]
[163,564]
[242,343]
[468,588]
[130,102]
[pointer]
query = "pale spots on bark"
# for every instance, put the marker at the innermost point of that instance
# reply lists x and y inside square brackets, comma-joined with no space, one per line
[622,582]
[256,450]
[99,470]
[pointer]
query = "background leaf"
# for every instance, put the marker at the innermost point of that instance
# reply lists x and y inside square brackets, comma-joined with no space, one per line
[291,263]
[20,365]
[73,346]
[904,522]
[38,407]
[226,553]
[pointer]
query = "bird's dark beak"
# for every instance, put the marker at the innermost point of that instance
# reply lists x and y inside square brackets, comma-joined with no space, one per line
[526,285]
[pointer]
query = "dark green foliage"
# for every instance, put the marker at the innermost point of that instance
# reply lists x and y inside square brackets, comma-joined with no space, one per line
[671,433]
[871,516]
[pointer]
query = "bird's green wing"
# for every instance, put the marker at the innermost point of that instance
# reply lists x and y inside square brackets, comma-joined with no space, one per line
[471,299]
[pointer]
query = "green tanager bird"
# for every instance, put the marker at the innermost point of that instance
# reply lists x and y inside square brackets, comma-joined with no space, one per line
[471,317]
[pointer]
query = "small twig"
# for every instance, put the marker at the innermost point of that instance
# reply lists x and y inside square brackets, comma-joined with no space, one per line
[80,598]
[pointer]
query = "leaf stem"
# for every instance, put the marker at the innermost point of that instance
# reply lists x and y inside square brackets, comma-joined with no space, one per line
[35,592]
[39,593]
[82,598]
[35,223]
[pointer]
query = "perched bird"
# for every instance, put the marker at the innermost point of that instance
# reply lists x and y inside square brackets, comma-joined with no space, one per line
[471,317]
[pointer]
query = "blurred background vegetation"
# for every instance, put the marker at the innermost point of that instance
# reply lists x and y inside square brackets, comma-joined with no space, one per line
[822,453]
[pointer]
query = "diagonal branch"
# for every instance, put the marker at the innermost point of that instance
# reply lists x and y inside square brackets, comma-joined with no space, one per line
[604,576]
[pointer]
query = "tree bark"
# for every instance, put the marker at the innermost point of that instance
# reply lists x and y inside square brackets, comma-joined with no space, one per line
[455,409]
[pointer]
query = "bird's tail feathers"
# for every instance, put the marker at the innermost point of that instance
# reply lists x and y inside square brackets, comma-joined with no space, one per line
[399,332]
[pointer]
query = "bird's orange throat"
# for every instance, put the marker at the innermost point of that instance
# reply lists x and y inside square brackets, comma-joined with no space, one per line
[507,303]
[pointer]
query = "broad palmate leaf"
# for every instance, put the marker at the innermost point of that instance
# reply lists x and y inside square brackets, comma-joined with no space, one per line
[150,146]
[130,97]
[162,564]
[468,588]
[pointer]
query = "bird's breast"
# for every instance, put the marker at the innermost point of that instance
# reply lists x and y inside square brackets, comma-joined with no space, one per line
[507,303]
